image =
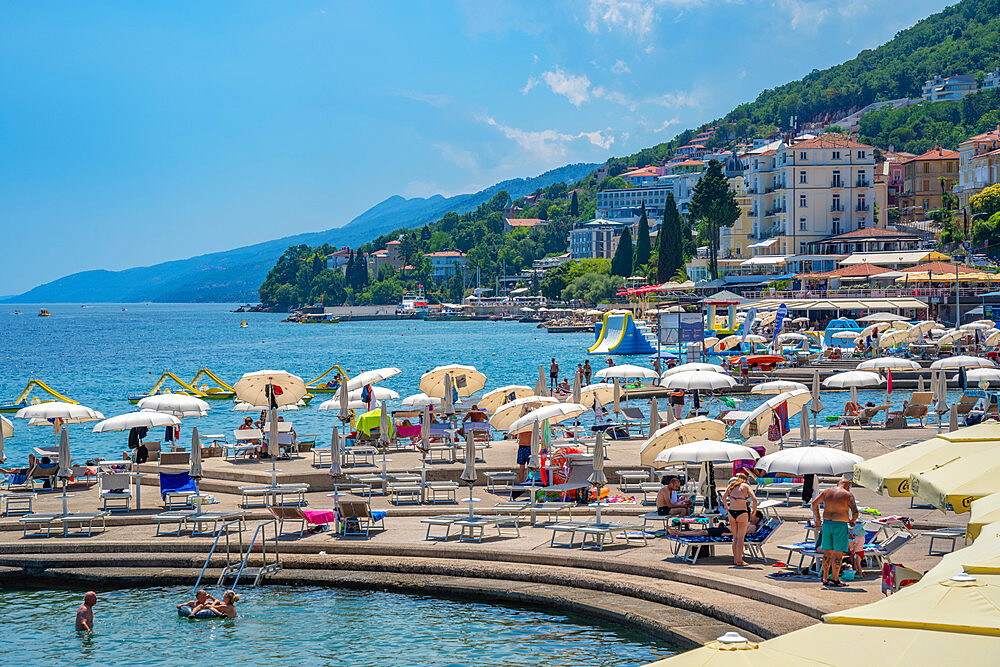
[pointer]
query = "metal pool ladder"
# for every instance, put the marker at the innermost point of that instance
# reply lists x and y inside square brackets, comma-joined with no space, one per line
[236,561]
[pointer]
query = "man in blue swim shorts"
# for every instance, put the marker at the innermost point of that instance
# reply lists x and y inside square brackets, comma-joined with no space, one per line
[839,513]
[523,454]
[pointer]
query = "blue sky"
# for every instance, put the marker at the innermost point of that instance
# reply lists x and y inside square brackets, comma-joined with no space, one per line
[137,132]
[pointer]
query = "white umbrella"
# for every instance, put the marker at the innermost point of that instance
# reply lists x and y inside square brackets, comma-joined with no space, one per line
[64,472]
[976,326]
[624,371]
[576,395]
[951,337]
[371,377]
[617,397]
[492,400]
[706,451]
[888,363]
[678,433]
[700,380]
[448,394]
[992,339]
[654,416]
[979,375]
[693,366]
[384,427]
[847,335]
[755,338]
[422,399]
[249,407]
[763,414]
[179,405]
[377,394]
[57,412]
[465,380]
[553,413]
[425,430]
[804,438]
[130,420]
[535,462]
[508,414]
[962,361]
[256,388]
[809,461]
[541,388]
[853,379]
[782,338]
[800,320]
[777,387]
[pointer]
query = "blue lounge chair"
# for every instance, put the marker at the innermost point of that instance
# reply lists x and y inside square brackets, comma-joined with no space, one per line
[176,486]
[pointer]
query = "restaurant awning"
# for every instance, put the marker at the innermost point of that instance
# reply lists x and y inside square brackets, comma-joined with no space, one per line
[902,303]
[764,260]
[763,244]
[903,257]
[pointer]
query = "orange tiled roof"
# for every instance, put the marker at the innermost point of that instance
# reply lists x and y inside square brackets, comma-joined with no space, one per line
[830,140]
[936,153]
[939,267]
[525,222]
[870,231]
[854,271]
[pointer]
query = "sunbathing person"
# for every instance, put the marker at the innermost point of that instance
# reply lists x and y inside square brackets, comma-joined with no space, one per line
[20,471]
[226,608]
[852,409]
[201,597]
[721,529]
[474,415]
[669,502]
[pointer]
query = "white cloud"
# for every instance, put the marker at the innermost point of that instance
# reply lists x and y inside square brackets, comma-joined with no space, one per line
[620,67]
[575,88]
[634,16]
[803,14]
[531,83]
[667,123]
[459,156]
[549,144]
[678,99]
[434,99]
[615,97]
[742,74]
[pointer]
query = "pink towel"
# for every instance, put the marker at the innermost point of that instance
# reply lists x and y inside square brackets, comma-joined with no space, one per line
[319,516]
[411,431]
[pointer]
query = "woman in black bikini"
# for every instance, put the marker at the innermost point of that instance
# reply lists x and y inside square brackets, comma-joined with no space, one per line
[740,500]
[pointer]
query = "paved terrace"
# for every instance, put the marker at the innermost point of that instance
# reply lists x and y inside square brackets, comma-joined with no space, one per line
[645,586]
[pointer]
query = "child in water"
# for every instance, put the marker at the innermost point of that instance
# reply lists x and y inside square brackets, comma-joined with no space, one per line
[225,608]
[201,597]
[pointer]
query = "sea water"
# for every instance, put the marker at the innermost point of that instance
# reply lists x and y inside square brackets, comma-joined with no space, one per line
[282,625]
[98,354]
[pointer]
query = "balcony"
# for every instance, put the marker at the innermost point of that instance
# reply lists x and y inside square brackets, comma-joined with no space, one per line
[862,183]
[752,214]
[861,208]
[836,183]
[774,211]
[837,208]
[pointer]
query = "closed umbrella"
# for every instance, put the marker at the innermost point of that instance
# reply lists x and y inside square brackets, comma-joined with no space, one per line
[809,461]
[448,393]
[804,438]
[953,418]
[6,430]
[846,444]
[469,472]
[371,377]
[196,470]
[344,398]
[920,384]
[617,397]
[815,405]
[336,456]
[577,395]
[654,416]
[541,387]
[597,478]
[495,399]
[64,471]
[384,427]
[425,429]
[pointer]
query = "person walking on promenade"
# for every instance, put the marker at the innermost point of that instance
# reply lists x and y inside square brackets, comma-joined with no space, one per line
[839,511]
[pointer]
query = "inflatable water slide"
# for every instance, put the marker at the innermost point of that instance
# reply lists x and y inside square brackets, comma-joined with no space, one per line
[618,333]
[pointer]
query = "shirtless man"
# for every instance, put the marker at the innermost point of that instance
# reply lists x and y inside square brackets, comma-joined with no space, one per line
[474,415]
[85,613]
[839,512]
[201,597]
[669,502]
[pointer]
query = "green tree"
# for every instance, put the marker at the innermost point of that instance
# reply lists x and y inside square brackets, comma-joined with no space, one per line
[713,205]
[592,288]
[670,256]
[642,242]
[621,263]
[986,203]
[574,206]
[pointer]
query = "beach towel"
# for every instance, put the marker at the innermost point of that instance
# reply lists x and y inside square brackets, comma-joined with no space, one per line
[176,482]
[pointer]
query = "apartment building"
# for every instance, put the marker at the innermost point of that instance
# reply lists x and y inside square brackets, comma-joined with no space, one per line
[735,241]
[642,177]
[595,239]
[978,164]
[948,88]
[926,178]
[443,263]
[338,259]
[807,190]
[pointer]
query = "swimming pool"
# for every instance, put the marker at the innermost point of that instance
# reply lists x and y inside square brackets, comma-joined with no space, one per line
[309,626]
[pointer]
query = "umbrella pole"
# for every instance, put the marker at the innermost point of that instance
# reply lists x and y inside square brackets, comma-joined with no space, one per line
[65,499]
[274,470]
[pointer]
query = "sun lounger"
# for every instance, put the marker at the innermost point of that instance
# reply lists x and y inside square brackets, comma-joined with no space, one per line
[237,450]
[951,535]
[580,468]
[83,521]
[39,520]
[176,489]
[649,492]
[499,481]
[357,518]
[632,480]
[116,489]
[786,489]
[472,530]
[17,503]
[322,456]
[446,521]
[965,405]
[405,493]
[170,517]
[293,514]
[600,533]
[199,519]
[564,528]
[435,492]
[364,453]
[695,547]
[273,495]
[633,417]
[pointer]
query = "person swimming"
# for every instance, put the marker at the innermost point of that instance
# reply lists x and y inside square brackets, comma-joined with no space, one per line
[201,597]
[225,608]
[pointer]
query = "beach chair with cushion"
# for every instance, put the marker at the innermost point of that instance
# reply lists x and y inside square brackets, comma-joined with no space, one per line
[633,417]
[116,491]
[918,412]
[965,405]
[293,514]
[177,489]
[702,545]
[357,518]
[580,469]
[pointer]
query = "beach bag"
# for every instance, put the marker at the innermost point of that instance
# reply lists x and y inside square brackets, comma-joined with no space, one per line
[774,432]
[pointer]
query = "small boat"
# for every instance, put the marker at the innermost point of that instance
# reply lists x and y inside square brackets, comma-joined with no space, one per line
[124,310]
[243,324]
[17,312]
[44,313]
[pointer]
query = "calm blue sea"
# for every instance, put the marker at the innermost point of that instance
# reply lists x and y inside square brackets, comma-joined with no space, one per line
[98,354]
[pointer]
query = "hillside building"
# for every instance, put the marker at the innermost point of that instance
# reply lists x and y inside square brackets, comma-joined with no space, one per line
[595,239]
[444,263]
[510,224]
[948,88]
[338,259]
[926,178]
[978,164]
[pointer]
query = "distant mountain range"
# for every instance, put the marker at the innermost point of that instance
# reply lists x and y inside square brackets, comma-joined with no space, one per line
[235,275]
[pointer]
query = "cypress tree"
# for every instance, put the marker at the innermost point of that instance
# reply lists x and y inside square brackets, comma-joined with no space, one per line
[574,206]
[642,242]
[621,263]
[671,252]
[349,270]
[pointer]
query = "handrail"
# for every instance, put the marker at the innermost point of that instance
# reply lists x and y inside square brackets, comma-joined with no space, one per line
[263,548]
[211,551]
